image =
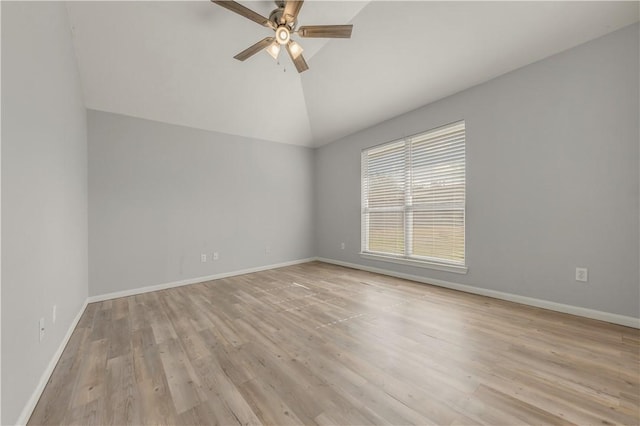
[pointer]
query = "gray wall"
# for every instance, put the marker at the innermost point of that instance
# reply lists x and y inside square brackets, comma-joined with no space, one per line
[160,195]
[44,193]
[552,178]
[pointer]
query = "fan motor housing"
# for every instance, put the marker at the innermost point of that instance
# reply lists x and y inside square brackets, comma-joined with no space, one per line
[276,15]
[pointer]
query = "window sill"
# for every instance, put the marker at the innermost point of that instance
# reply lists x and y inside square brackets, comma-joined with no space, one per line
[414,262]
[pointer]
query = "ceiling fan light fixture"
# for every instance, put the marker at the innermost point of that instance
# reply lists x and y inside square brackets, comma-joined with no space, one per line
[284,21]
[283,35]
[295,49]
[274,50]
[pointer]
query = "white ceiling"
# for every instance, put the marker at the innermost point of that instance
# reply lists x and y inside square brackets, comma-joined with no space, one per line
[173,61]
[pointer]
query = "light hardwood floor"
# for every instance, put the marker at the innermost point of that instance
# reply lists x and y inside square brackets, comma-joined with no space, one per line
[322,344]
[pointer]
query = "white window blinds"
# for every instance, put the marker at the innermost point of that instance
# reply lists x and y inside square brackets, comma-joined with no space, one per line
[413,197]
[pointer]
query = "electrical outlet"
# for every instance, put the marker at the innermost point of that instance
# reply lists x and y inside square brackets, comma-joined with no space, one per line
[203,258]
[342,246]
[582,274]
[41,328]
[215,255]
[267,249]
[53,314]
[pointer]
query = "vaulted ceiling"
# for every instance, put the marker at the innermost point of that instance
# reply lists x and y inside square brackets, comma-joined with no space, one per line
[173,61]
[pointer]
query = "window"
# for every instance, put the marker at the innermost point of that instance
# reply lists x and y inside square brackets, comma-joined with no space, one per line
[413,199]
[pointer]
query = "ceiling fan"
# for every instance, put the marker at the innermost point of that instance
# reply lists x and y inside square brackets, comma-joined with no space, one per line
[284,20]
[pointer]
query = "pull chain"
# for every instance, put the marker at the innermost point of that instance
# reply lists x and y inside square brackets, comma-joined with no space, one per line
[284,68]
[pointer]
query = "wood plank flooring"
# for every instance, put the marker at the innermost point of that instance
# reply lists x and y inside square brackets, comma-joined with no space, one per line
[321,344]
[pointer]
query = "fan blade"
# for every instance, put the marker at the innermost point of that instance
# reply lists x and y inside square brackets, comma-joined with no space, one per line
[299,62]
[291,10]
[326,31]
[249,52]
[244,11]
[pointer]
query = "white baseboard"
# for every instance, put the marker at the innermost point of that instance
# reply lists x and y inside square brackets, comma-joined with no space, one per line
[539,303]
[44,378]
[148,289]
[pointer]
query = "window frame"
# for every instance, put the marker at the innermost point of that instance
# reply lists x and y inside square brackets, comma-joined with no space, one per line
[407,209]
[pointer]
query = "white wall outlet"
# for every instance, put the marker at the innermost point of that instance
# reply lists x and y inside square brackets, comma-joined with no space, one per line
[342,246]
[267,249]
[41,328]
[53,314]
[216,256]
[203,258]
[582,274]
